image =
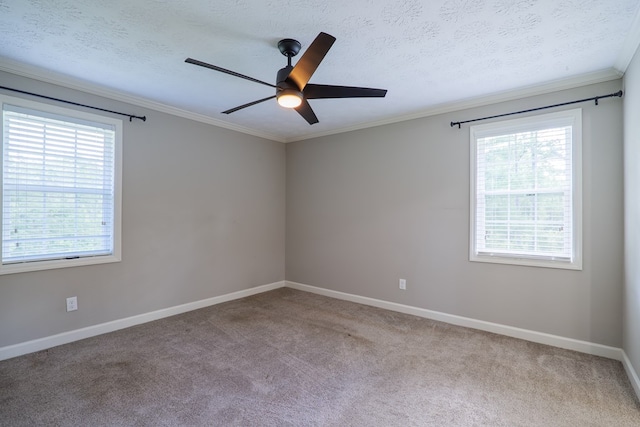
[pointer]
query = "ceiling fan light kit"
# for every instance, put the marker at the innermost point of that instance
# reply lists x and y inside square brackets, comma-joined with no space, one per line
[292,82]
[289,98]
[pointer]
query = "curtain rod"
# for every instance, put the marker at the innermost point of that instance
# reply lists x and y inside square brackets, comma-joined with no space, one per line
[595,98]
[131,116]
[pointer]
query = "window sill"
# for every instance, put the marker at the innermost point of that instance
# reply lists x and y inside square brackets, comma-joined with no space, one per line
[530,262]
[59,263]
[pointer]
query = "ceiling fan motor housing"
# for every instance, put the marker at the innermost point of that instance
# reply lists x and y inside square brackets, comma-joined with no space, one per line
[282,81]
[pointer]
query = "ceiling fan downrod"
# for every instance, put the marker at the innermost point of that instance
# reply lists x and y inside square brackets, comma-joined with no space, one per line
[289,48]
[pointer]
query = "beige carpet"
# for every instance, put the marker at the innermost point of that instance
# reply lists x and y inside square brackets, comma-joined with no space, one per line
[290,358]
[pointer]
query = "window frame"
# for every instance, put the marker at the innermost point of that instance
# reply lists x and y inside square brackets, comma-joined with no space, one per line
[115,256]
[537,122]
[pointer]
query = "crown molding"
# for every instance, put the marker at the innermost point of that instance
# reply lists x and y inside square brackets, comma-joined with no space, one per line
[58,79]
[77,84]
[509,95]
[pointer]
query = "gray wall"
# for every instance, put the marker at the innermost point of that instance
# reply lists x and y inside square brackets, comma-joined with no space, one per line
[203,215]
[368,207]
[631,322]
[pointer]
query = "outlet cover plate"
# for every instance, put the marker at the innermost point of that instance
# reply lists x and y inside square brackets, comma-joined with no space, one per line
[72,303]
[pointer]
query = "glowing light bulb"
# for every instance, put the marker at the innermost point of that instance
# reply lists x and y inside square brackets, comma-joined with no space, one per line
[289,98]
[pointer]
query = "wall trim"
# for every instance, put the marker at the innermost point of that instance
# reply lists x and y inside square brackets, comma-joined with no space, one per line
[529,335]
[484,100]
[631,373]
[27,347]
[68,82]
[39,344]
[52,77]
[496,328]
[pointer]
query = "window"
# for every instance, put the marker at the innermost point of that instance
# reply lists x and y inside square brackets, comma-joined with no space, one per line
[526,196]
[61,173]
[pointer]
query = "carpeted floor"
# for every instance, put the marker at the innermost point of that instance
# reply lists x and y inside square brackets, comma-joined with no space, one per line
[291,358]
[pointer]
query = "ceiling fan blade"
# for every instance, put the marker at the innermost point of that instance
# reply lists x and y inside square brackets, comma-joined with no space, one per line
[312,91]
[224,70]
[305,111]
[310,60]
[233,110]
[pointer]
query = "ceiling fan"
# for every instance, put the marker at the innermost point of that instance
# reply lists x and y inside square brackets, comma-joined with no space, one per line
[292,82]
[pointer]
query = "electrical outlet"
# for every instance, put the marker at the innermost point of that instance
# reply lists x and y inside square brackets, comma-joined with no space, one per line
[72,303]
[403,284]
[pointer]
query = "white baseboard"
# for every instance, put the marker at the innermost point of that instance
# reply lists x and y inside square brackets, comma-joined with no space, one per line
[103,328]
[538,337]
[510,331]
[525,334]
[631,373]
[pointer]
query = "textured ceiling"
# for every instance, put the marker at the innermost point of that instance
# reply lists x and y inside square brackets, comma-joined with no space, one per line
[426,53]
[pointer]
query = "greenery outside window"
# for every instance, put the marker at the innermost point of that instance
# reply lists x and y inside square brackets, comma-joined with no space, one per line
[526,192]
[61,181]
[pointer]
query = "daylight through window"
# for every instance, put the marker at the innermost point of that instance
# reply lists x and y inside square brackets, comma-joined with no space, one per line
[60,187]
[526,196]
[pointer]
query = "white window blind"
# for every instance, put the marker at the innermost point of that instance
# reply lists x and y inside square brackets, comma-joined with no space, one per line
[524,188]
[58,199]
